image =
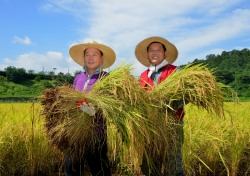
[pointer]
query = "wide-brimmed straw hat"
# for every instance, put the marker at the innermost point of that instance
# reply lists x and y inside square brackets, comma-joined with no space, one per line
[76,52]
[141,50]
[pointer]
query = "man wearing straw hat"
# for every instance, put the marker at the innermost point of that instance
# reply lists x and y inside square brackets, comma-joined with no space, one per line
[158,54]
[94,57]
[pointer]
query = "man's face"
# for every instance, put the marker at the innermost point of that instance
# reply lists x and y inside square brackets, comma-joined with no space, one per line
[93,58]
[156,53]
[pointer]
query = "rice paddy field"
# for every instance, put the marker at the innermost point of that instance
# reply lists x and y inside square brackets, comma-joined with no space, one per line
[212,145]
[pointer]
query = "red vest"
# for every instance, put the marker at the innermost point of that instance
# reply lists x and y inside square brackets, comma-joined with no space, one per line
[148,83]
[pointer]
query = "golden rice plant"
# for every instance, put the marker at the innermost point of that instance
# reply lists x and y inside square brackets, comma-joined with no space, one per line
[121,102]
[138,122]
[24,149]
[126,107]
[194,84]
[228,140]
[197,85]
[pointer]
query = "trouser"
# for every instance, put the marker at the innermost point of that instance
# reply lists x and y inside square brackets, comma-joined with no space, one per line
[156,166]
[96,159]
[173,161]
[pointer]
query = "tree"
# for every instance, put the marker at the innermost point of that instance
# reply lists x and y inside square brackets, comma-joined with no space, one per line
[77,72]
[31,72]
[3,79]
[47,84]
[10,71]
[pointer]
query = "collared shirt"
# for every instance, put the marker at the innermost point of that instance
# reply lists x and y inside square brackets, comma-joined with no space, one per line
[97,71]
[84,82]
[155,75]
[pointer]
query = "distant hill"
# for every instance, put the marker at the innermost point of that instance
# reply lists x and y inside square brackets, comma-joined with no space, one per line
[231,68]
[16,84]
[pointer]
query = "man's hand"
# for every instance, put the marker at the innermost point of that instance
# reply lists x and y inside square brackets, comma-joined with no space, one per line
[90,110]
[85,107]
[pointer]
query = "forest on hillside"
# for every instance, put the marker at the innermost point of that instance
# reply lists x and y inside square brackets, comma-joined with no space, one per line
[19,84]
[230,67]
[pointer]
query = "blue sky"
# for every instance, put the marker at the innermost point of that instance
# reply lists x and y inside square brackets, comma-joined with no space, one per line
[37,34]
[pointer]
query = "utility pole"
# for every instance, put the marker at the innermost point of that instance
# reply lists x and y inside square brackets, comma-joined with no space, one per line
[54,71]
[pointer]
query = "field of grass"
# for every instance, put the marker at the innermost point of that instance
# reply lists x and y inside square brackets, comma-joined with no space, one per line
[24,148]
[218,146]
[212,145]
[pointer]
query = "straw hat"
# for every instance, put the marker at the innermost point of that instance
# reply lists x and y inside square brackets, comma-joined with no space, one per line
[141,50]
[76,52]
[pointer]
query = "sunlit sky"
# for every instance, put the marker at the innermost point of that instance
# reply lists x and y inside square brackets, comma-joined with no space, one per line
[37,34]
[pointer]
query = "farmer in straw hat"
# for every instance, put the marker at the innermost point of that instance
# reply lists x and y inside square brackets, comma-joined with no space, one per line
[158,54]
[94,57]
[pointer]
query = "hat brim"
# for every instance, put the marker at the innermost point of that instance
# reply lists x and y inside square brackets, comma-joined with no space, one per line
[141,50]
[76,53]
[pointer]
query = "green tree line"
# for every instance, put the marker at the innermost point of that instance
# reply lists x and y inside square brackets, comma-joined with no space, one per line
[231,68]
[19,83]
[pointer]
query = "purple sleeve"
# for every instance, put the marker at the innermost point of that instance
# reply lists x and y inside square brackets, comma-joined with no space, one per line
[81,78]
[79,81]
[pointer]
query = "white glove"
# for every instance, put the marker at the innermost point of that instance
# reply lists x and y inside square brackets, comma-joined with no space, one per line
[90,110]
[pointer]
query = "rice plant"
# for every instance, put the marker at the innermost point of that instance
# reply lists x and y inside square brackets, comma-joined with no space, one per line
[23,144]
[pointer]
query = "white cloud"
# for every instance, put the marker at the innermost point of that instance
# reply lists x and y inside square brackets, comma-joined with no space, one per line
[74,7]
[43,62]
[26,40]
[123,23]
[215,51]
[192,25]
[221,30]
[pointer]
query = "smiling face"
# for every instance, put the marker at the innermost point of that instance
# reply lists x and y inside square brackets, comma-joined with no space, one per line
[93,58]
[156,53]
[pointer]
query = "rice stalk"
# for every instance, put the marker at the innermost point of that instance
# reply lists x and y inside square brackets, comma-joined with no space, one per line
[197,85]
[193,84]
[120,102]
[126,106]
[138,122]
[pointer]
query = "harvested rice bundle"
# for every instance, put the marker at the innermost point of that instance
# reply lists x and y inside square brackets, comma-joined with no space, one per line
[61,115]
[118,98]
[125,106]
[195,84]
